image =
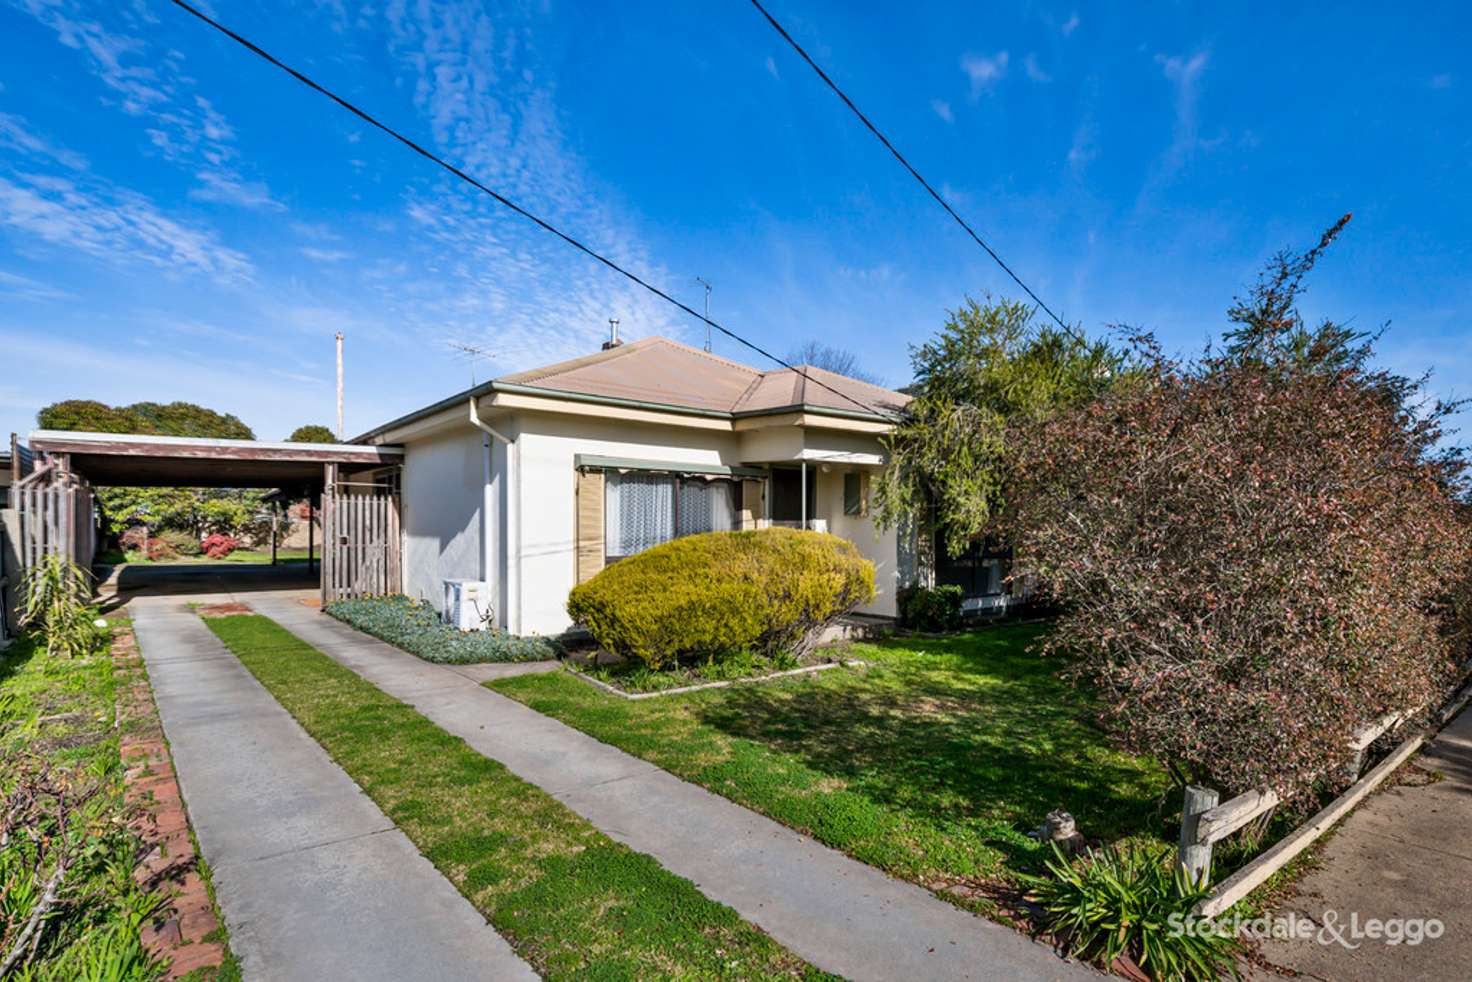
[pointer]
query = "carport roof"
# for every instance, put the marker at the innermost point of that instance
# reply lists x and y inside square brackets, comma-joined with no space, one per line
[116,459]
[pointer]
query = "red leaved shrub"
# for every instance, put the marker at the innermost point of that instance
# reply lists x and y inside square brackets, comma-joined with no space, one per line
[161,549]
[1257,553]
[135,537]
[219,546]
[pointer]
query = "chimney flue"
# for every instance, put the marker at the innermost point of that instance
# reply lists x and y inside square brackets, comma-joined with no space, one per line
[613,341]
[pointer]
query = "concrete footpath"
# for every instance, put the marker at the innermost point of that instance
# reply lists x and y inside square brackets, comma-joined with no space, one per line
[1404,857]
[837,913]
[313,879]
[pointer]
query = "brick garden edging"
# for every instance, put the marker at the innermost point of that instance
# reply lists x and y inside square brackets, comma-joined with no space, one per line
[169,865]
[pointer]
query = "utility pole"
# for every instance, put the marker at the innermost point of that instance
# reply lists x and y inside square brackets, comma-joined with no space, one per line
[707,310]
[339,386]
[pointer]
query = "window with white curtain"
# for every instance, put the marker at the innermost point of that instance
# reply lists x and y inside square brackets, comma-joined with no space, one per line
[643,509]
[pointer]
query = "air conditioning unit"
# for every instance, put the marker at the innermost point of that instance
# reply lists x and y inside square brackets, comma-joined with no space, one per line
[468,605]
[818,525]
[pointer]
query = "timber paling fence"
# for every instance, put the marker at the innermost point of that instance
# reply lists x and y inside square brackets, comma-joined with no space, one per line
[1204,822]
[56,518]
[360,544]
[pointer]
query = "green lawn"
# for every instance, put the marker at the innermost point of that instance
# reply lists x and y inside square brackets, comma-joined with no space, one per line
[571,901]
[933,763]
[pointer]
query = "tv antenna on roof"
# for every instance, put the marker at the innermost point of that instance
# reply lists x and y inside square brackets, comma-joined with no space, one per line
[471,353]
[707,310]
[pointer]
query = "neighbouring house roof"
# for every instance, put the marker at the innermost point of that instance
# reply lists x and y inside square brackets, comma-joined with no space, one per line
[659,372]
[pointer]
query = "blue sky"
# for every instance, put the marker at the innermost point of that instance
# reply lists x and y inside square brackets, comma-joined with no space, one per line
[178,220]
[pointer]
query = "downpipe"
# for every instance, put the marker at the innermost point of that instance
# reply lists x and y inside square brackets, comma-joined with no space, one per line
[490,512]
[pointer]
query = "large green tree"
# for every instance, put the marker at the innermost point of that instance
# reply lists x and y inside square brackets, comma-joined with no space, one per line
[159,419]
[195,510]
[990,369]
[312,433]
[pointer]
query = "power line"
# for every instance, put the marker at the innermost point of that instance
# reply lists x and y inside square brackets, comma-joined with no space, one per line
[508,203]
[913,172]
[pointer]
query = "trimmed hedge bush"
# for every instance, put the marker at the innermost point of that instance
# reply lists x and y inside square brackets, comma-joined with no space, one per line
[930,608]
[770,591]
[415,626]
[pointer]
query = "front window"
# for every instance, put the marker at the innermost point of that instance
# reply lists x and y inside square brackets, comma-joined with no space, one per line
[643,509]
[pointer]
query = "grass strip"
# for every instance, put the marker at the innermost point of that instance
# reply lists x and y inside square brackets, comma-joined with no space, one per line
[932,764]
[571,901]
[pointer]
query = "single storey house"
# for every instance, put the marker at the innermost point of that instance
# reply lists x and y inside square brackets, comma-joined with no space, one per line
[533,482]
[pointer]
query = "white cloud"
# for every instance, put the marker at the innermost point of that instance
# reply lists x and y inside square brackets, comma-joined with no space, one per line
[1034,70]
[943,110]
[771,67]
[325,255]
[1184,73]
[1070,25]
[152,85]
[15,134]
[475,269]
[19,287]
[223,187]
[119,226]
[984,71]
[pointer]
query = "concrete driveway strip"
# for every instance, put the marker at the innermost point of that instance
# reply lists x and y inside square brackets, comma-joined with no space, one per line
[837,913]
[314,880]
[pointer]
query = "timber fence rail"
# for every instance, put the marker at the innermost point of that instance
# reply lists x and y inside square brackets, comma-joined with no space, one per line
[1205,822]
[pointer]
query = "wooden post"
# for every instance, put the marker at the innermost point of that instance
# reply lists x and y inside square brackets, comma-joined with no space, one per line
[275,528]
[1194,857]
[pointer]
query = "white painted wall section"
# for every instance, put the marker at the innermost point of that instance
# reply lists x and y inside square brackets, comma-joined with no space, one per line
[442,494]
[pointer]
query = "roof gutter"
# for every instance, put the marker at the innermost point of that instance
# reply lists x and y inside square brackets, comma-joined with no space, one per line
[518,388]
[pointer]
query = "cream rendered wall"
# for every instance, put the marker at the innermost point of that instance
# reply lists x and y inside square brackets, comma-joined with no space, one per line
[880,547]
[442,494]
[548,522]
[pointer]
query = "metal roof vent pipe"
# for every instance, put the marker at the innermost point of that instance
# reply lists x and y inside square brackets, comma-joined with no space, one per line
[613,341]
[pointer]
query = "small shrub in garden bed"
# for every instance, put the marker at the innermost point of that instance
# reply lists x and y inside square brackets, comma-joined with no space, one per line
[930,608]
[770,592]
[219,546]
[415,626]
[134,539]
[159,549]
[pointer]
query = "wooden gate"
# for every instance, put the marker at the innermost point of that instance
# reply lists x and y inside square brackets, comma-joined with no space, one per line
[57,517]
[360,543]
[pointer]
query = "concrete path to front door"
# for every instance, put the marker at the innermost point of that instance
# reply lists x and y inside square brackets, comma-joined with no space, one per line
[1403,858]
[313,879]
[835,912]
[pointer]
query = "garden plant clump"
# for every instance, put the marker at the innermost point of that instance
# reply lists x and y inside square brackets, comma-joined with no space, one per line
[925,608]
[1124,902]
[219,546]
[768,593]
[415,626]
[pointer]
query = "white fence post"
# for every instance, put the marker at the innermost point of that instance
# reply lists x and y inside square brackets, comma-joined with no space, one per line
[1194,857]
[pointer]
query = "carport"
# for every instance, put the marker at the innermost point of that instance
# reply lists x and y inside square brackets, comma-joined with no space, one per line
[355,487]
